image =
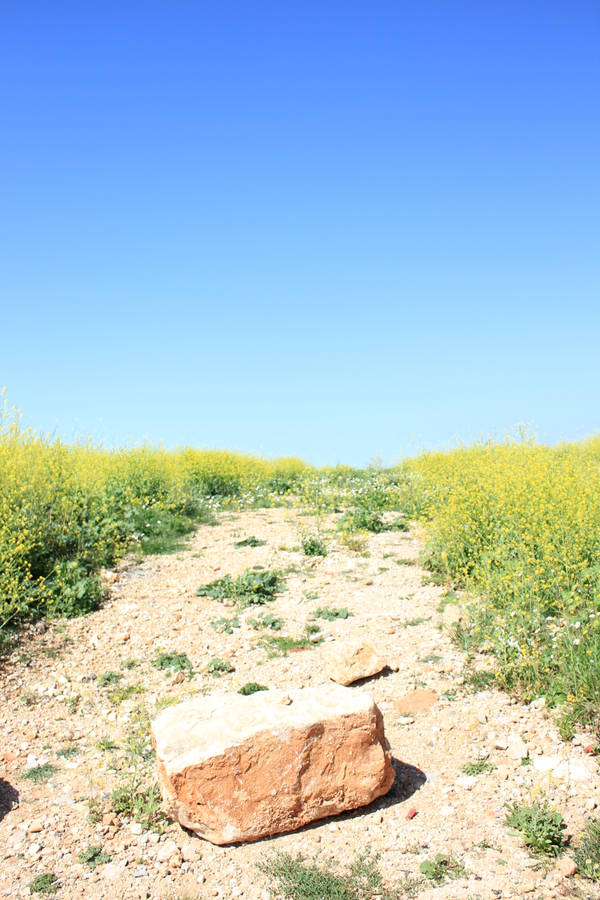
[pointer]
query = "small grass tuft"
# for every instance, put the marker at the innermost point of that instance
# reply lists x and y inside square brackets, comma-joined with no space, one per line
[250,542]
[440,867]
[312,545]
[218,667]
[266,622]
[251,687]
[40,774]
[44,884]
[174,662]
[331,613]
[298,880]
[587,854]
[479,767]
[93,856]
[541,826]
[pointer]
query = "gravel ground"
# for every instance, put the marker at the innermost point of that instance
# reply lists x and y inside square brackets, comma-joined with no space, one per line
[53,702]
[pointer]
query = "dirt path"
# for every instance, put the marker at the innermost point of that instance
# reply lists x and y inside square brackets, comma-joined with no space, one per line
[53,702]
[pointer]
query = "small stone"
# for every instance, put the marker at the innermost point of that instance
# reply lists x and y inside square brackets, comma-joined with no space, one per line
[528,886]
[405,720]
[500,743]
[411,813]
[178,678]
[591,804]
[350,661]
[566,867]
[467,782]
[166,850]
[36,826]
[9,756]
[517,748]
[140,872]
[111,871]
[539,703]
[286,700]
[136,828]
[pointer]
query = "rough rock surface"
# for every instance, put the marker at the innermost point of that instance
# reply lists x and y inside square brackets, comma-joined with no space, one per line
[350,661]
[234,768]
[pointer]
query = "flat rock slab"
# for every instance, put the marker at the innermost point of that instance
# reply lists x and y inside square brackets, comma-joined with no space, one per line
[416,701]
[349,661]
[234,768]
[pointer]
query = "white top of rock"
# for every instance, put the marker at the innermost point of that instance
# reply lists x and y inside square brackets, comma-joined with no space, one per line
[206,726]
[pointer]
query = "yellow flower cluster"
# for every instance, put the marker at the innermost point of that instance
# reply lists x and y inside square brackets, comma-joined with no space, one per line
[519,525]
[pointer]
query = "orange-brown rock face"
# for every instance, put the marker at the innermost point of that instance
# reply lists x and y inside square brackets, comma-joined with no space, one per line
[234,768]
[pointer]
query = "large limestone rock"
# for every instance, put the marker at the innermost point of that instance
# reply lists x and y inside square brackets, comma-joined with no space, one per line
[351,660]
[234,768]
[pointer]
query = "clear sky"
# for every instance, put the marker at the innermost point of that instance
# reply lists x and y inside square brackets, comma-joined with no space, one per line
[338,230]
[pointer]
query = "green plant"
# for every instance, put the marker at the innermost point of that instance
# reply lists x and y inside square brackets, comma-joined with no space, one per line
[250,542]
[119,694]
[312,545]
[106,743]
[174,662]
[298,880]
[29,698]
[479,767]
[95,811]
[329,613]
[72,703]
[128,663]
[363,519]
[225,626]
[481,680]
[266,622]
[68,751]
[431,658]
[218,667]
[108,678]
[542,826]
[281,645]
[440,867]
[143,805]
[249,589]
[412,623]
[587,853]
[251,688]
[39,774]
[44,884]
[92,856]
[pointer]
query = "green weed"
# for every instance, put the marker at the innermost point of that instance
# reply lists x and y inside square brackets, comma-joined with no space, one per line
[298,880]
[250,542]
[249,589]
[40,774]
[331,613]
[312,545]
[479,767]
[93,856]
[266,622]
[587,853]
[47,883]
[441,867]
[218,667]
[173,662]
[251,688]
[541,826]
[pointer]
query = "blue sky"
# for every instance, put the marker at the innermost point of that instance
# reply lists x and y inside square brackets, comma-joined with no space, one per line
[333,230]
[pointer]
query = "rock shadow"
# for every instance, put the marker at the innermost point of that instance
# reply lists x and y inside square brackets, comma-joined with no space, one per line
[385,673]
[9,798]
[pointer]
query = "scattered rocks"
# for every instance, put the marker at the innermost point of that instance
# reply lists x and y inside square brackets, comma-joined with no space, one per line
[237,768]
[349,661]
